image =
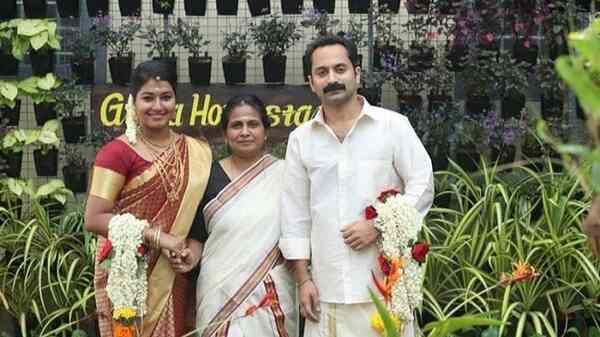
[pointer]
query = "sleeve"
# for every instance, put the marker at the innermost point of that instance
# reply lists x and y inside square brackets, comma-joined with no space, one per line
[110,172]
[198,230]
[413,165]
[295,205]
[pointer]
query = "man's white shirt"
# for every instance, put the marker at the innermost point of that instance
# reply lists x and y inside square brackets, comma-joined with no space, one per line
[329,183]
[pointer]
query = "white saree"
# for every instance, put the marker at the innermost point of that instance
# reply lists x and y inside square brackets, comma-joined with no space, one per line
[241,262]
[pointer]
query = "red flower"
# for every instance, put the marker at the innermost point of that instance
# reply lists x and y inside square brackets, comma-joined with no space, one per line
[419,251]
[487,39]
[141,250]
[370,213]
[387,193]
[105,251]
[384,265]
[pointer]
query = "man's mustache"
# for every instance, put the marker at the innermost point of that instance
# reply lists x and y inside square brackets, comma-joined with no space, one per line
[334,86]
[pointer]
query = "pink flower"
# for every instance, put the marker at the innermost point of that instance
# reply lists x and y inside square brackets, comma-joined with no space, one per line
[419,251]
[370,213]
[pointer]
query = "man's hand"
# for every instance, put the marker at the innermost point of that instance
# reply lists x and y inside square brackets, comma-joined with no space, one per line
[309,301]
[360,234]
[591,227]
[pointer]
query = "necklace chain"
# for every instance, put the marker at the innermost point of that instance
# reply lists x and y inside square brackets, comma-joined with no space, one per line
[169,166]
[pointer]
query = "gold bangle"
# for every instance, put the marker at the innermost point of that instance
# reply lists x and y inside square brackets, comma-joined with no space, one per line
[158,239]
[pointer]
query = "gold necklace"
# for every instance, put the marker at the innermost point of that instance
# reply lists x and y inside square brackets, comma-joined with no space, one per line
[170,171]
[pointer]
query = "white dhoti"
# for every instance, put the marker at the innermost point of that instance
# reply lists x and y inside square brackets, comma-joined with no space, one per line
[348,320]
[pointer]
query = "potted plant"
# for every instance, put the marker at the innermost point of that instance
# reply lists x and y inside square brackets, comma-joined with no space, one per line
[8,9]
[38,37]
[161,41]
[82,46]
[75,170]
[52,197]
[292,6]
[13,145]
[409,86]
[200,64]
[389,6]
[439,83]
[194,7]
[357,35]
[118,41]
[164,7]
[501,136]
[46,156]
[10,106]
[322,23]
[227,7]
[9,65]
[512,84]
[417,6]
[41,91]
[273,37]
[467,142]
[553,95]
[479,77]
[97,8]
[234,63]
[68,8]
[35,9]
[324,6]
[259,7]
[70,106]
[371,83]
[12,192]
[447,7]
[131,7]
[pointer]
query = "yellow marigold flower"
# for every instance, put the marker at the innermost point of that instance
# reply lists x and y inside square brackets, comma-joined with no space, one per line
[124,313]
[377,323]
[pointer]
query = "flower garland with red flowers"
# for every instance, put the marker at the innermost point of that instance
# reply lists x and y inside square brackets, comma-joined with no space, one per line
[401,255]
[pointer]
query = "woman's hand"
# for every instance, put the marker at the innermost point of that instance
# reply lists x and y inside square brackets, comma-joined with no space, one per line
[187,259]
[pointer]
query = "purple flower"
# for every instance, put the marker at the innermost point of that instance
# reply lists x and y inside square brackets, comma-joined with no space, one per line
[508,137]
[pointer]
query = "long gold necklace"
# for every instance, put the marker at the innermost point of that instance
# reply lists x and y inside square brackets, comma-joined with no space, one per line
[169,169]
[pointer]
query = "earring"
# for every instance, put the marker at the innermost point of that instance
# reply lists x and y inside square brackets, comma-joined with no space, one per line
[130,121]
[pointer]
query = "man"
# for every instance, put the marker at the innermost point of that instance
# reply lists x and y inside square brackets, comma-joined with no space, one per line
[335,166]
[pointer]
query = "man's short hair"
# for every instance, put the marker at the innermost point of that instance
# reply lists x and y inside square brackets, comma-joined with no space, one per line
[329,40]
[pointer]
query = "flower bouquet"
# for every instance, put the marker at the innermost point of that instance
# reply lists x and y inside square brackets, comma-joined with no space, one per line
[123,256]
[401,257]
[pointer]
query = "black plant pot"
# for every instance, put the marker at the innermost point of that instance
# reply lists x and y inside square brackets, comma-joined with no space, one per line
[449,7]
[120,69]
[417,6]
[44,112]
[359,6]
[12,115]
[68,8]
[8,9]
[552,106]
[420,58]
[259,7]
[74,129]
[525,54]
[35,9]
[457,56]
[477,105]
[194,7]
[46,164]
[227,7]
[324,5]
[409,105]
[372,95]
[583,5]
[83,70]
[512,104]
[292,6]
[234,72]
[97,8]
[274,69]
[9,66]
[199,70]
[14,161]
[75,178]
[504,155]
[130,7]
[437,101]
[171,62]
[391,6]
[164,7]
[42,62]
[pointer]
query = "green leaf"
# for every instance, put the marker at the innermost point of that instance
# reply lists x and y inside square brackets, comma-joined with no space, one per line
[8,90]
[594,332]
[390,327]
[47,82]
[38,41]
[491,331]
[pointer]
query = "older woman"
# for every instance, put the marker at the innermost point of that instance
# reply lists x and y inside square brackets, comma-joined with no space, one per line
[159,176]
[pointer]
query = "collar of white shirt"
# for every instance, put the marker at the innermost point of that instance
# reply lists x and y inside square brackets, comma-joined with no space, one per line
[367,110]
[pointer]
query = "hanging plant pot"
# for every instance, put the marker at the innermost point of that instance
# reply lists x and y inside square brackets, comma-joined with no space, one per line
[8,9]
[9,66]
[512,104]
[525,51]
[75,178]
[372,95]
[44,112]
[83,71]
[74,129]
[164,7]
[552,105]
[274,69]
[68,8]
[14,161]
[389,6]
[435,102]
[420,57]
[359,6]
[42,61]
[35,9]
[46,164]
[234,71]
[227,7]
[97,8]
[11,115]
[456,57]
[130,7]
[292,6]
[449,7]
[171,62]
[194,7]
[199,70]
[417,6]
[259,7]
[477,105]
[324,6]
[120,69]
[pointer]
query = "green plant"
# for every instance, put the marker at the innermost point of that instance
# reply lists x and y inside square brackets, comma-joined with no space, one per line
[46,137]
[26,34]
[70,101]
[321,21]
[547,77]
[117,40]
[54,189]
[8,93]
[274,36]
[191,38]
[434,127]
[373,79]
[439,80]
[512,75]
[81,45]
[236,45]
[161,40]
[40,89]
[74,159]
[356,33]
[15,140]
